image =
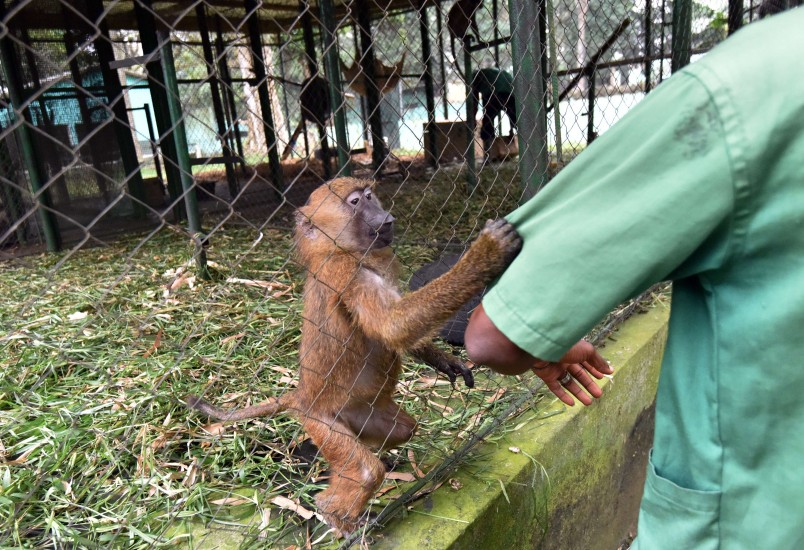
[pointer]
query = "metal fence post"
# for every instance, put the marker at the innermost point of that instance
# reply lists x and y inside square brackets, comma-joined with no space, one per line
[682,34]
[111,83]
[378,152]
[146,23]
[217,103]
[429,91]
[33,166]
[183,156]
[441,64]
[529,93]
[735,15]
[258,62]
[471,123]
[333,71]
[312,72]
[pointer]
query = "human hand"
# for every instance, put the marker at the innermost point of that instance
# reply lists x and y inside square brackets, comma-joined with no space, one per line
[570,375]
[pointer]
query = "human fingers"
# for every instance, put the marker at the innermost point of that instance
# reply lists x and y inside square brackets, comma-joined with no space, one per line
[596,361]
[591,369]
[584,352]
[571,384]
[559,391]
[581,374]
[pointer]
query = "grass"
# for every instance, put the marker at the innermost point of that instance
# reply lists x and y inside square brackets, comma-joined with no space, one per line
[97,346]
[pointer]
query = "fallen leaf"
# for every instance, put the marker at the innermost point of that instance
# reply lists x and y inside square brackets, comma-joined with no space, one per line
[498,394]
[293,506]
[230,501]
[455,484]
[216,428]
[233,337]
[153,348]
[413,465]
[77,316]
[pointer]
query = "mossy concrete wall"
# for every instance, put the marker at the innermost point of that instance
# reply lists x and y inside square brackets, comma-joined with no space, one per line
[576,479]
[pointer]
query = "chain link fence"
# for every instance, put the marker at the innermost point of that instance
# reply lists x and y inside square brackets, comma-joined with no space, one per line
[152,155]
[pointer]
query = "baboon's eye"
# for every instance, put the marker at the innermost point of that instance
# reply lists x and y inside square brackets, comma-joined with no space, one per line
[355,200]
[368,195]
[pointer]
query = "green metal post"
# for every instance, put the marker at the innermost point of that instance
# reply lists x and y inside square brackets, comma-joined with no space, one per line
[57,186]
[495,14]
[230,109]
[285,104]
[682,34]
[185,168]
[541,8]
[258,66]
[111,82]
[429,92]
[648,43]
[366,133]
[528,90]
[33,164]
[215,92]
[333,71]
[146,25]
[11,194]
[442,64]
[554,81]
[471,122]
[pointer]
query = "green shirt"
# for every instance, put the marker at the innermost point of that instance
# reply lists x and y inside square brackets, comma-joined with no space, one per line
[701,183]
[492,81]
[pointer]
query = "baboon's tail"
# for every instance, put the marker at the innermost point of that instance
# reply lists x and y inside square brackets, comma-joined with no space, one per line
[268,408]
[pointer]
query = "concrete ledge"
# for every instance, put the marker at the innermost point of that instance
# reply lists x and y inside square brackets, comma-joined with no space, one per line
[577,479]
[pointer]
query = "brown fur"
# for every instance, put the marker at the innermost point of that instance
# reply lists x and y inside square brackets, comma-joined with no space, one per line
[461,18]
[356,325]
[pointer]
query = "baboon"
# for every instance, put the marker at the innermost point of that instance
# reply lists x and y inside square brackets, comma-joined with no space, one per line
[356,326]
[461,17]
[315,108]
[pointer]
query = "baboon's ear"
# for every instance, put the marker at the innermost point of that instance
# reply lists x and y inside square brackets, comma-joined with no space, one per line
[304,224]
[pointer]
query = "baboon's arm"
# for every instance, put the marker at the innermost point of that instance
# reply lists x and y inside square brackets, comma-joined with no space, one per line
[401,321]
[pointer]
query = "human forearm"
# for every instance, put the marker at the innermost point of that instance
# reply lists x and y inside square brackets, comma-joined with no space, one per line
[487,345]
[569,376]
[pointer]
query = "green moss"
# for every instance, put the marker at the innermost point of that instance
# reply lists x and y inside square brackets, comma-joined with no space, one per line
[561,476]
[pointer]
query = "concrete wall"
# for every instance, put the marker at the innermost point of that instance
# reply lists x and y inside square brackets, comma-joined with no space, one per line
[576,479]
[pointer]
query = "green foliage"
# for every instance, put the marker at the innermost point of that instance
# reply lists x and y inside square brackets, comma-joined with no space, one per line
[99,346]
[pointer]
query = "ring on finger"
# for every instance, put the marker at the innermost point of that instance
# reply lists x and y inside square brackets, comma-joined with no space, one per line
[566,379]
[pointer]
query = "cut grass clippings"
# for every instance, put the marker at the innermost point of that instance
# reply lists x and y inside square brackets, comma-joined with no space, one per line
[98,346]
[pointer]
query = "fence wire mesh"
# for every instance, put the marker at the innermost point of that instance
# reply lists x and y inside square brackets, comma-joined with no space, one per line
[152,156]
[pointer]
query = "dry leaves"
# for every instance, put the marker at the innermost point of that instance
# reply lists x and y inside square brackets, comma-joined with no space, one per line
[294,506]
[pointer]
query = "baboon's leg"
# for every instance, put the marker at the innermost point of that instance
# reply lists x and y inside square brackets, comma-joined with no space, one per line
[292,140]
[355,473]
[382,425]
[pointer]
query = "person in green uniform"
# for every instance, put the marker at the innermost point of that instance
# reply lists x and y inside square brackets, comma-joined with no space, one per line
[495,89]
[702,183]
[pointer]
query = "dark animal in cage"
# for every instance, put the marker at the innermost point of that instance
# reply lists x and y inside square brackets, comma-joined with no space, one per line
[356,326]
[315,108]
[461,18]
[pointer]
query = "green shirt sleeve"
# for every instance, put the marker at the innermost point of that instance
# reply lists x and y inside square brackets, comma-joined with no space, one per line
[649,200]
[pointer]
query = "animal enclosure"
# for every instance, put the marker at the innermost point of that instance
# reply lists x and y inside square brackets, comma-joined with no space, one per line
[152,157]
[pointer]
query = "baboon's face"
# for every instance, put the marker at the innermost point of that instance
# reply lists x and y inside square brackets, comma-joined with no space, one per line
[346,212]
[371,226]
